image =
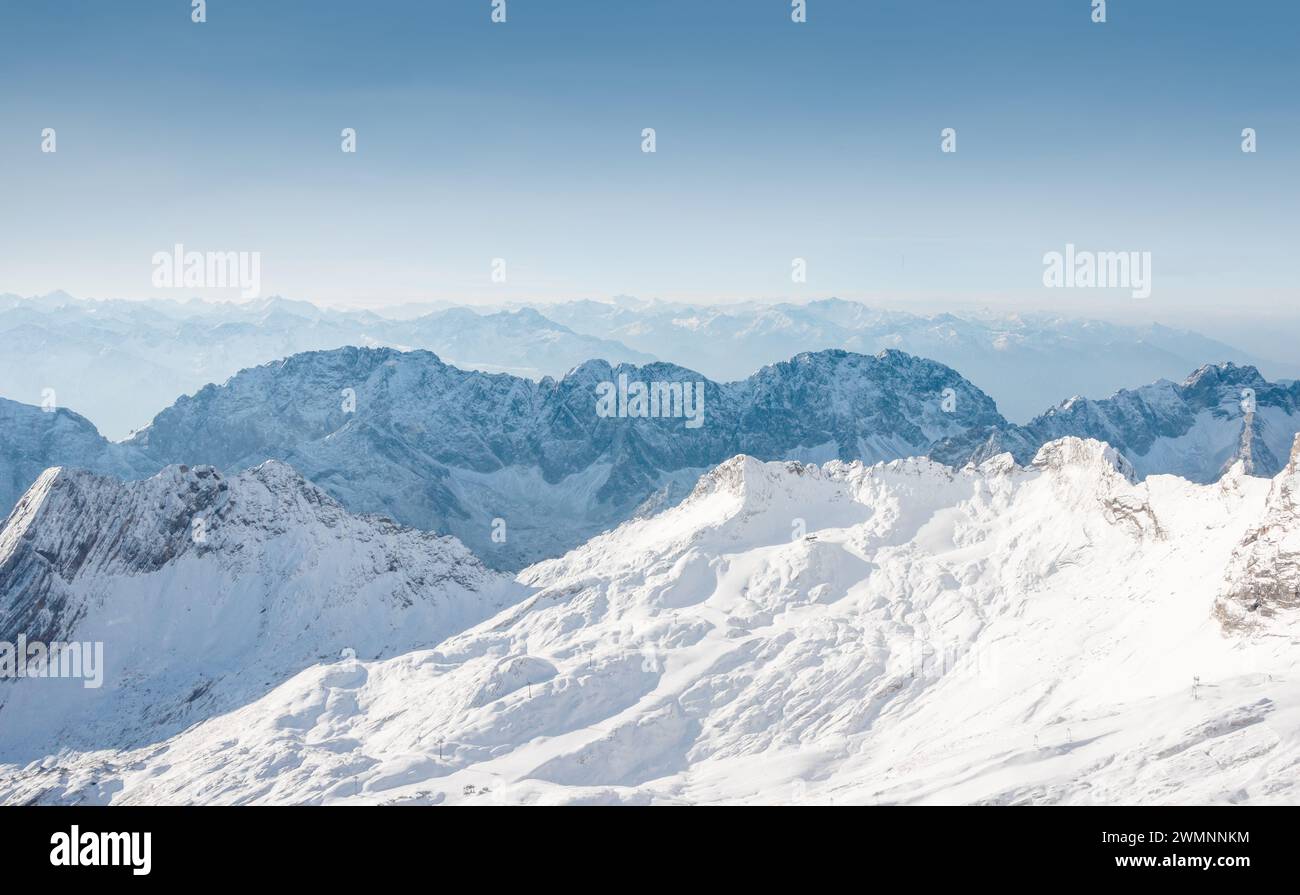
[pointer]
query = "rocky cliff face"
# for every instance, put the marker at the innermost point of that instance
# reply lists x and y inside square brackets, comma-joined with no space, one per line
[1263,578]
[264,528]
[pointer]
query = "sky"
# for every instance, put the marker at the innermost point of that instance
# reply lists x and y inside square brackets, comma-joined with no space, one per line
[775,140]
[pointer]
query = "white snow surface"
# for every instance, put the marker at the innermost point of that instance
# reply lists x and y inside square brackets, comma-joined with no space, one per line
[207,592]
[902,633]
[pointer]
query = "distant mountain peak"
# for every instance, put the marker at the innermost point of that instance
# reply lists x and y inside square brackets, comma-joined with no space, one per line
[1227,373]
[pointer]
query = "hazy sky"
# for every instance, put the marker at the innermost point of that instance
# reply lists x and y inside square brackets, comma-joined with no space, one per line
[775,140]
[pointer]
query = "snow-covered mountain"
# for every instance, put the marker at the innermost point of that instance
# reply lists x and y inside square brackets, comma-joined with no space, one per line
[520,469]
[1198,429]
[32,439]
[207,591]
[896,633]
[1025,362]
[120,362]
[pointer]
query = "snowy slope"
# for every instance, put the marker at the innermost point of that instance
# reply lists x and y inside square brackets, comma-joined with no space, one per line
[897,633]
[206,591]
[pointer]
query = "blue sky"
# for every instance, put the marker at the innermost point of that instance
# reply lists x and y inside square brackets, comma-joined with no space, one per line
[776,140]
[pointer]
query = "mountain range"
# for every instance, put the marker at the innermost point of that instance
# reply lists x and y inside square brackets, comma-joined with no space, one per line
[1025,362]
[521,469]
[896,633]
[120,362]
[1197,428]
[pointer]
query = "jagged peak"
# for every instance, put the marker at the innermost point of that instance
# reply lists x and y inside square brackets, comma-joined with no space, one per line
[736,475]
[1073,451]
[750,479]
[1226,373]
[275,472]
[373,356]
[365,359]
[1233,472]
[1000,464]
[659,370]
[54,481]
[589,371]
[891,356]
